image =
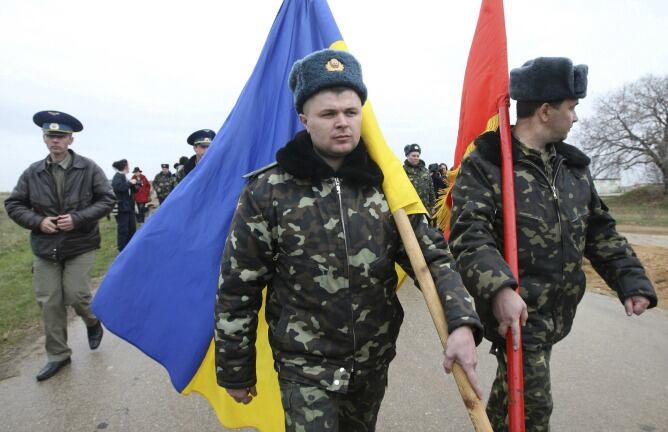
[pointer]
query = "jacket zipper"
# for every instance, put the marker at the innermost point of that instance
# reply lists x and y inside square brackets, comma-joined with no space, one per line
[561,229]
[337,184]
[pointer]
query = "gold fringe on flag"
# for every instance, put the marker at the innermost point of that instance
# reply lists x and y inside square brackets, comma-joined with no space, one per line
[443,208]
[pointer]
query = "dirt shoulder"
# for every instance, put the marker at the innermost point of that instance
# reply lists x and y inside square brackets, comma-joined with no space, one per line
[655,260]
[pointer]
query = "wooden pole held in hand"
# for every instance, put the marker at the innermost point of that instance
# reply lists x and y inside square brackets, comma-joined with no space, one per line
[474,406]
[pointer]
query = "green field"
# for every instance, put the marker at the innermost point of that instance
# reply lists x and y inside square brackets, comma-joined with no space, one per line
[19,314]
[646,206]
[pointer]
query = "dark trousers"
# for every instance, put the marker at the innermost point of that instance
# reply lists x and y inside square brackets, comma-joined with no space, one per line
[126,227]
[141,212]
[309,408]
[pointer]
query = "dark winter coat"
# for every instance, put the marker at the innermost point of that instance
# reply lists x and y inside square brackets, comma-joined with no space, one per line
[560,220]
[87,196]
[123,190]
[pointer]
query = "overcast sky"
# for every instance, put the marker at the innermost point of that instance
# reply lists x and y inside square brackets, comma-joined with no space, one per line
[143,75]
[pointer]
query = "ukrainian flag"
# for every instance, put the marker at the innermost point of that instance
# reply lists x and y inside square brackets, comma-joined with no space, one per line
[159,293]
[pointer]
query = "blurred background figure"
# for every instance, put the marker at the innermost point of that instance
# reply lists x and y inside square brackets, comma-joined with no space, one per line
[179,168]
[200,140]
[124,189]
[142,194]
[437,179]
[419,175]
[164,182]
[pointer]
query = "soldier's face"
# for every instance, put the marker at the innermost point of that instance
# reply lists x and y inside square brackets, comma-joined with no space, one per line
[334,121]
[200,150]
[58,144]
[560,121]
[413,158]
[165,170]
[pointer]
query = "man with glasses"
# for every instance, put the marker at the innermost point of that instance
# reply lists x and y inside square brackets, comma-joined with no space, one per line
[60,199]
[200,140]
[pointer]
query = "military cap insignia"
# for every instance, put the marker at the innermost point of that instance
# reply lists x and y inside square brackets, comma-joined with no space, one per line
[54,126]
[53,113]
[334,65]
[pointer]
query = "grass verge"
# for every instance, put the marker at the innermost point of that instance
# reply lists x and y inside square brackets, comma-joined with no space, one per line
[19,314]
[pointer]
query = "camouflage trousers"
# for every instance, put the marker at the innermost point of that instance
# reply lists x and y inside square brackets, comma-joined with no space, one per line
[537,391]
[309,408]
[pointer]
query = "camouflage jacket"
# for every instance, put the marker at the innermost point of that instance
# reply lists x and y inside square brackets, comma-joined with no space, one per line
[325,245]
[560,219]
[423,183]
[163,184]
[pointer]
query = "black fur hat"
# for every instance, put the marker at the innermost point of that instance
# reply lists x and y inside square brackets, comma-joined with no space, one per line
[546,79]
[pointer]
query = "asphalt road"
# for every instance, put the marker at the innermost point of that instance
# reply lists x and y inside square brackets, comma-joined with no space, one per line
[610,374]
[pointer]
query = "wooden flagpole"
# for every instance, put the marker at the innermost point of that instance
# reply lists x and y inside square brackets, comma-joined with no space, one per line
[474,406]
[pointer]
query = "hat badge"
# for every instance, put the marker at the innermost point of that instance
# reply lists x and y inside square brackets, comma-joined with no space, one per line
[53,113]
[54,126]
[334,65]
[206,140]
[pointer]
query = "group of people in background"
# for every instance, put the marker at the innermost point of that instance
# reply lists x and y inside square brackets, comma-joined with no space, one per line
[133,193]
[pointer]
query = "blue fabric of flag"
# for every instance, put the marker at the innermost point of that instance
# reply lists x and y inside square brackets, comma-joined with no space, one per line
[159,293]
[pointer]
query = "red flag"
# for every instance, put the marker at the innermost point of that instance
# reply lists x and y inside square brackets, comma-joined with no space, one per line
[485,86]
[484,101]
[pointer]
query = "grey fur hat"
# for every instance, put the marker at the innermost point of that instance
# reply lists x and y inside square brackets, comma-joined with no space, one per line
[324,69]
[410,148]
[546,79]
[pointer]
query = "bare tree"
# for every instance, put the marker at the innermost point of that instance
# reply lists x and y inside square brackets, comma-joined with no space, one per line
[630,130]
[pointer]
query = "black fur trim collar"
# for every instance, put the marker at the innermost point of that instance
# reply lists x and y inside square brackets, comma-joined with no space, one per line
[488,146]
[299,159]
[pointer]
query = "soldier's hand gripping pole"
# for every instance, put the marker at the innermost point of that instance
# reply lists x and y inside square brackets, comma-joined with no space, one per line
[474,405]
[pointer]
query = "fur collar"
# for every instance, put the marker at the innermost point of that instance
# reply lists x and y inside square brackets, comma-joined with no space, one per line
[487,145]
[299,159]
[420,165]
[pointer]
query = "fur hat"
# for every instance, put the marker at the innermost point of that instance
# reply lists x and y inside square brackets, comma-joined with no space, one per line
[410,148]
[547,79]
[325,69]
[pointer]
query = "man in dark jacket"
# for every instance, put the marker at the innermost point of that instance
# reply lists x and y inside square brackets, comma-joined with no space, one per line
[560,220]
[60,199]
[316,229]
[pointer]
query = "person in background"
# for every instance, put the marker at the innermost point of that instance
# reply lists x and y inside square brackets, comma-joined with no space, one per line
[124,189]
[60,200]
[419,176]
[200,140]
[443,169]
[142,194]
[164,182]
[437,179]
[179,168]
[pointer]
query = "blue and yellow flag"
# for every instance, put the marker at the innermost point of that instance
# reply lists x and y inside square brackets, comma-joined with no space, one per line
[159,293]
